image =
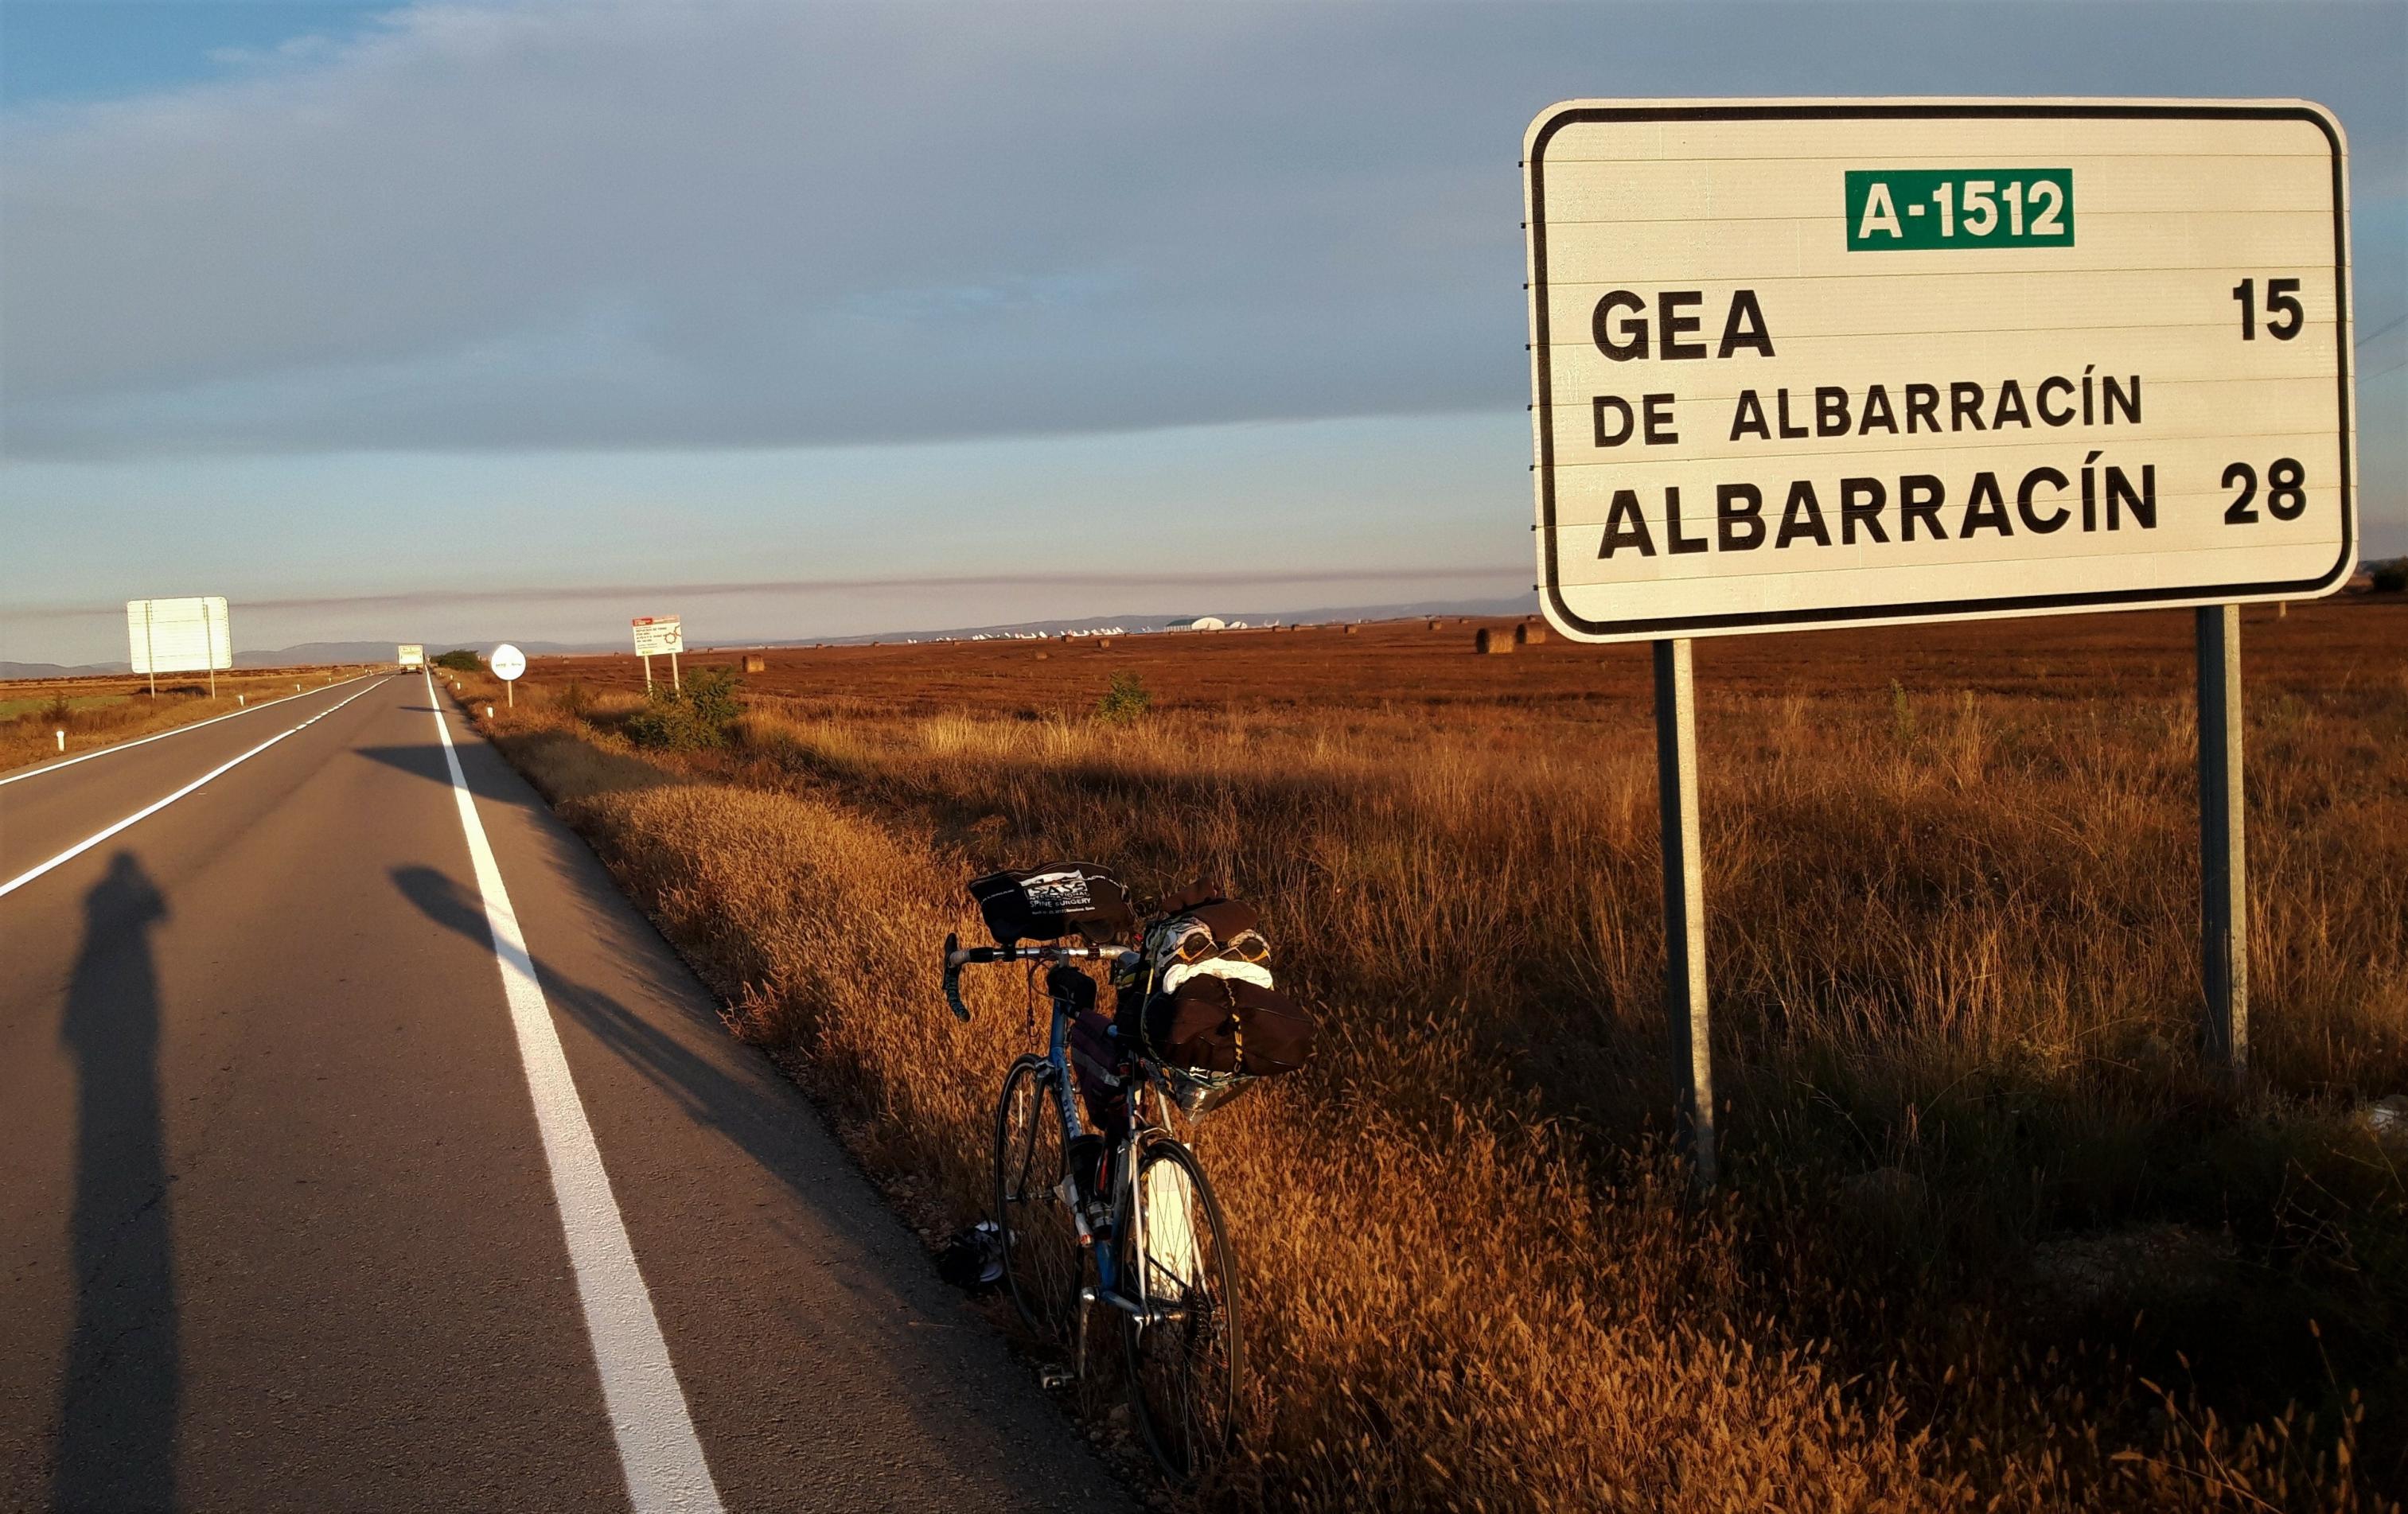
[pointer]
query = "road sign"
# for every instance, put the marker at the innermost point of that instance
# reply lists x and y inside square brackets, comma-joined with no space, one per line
[658,634]
[412,654]
[655,635]
[179,636]
[507,661]
[1800,364]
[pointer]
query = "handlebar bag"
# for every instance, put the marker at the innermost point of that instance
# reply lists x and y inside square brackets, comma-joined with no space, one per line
[1052,900]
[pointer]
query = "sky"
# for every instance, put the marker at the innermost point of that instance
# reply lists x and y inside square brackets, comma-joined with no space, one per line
[464,320]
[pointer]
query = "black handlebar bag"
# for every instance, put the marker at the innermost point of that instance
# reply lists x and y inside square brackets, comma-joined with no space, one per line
[1052,900]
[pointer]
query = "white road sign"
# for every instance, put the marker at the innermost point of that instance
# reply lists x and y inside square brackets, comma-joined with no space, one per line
[412,654]
[1812,362]
[658,634]
[178,636]
[507,661]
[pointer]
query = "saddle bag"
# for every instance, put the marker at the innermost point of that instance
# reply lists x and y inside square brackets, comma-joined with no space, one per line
[1203,1006]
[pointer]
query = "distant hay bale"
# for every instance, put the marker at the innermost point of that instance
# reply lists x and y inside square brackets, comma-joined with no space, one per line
[1529,633]
[755,664]
[1042,656]
[1491,642]
[1349,628]
[1103,641]
[1436,624]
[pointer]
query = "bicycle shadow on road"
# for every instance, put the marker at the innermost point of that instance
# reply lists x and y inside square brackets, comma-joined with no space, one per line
[745,1110]
[118,1388]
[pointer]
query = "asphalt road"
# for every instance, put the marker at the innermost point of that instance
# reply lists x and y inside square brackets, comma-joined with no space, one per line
[314,1194]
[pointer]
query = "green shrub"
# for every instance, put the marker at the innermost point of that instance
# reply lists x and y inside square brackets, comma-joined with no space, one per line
[460,660]
[690,719]
[1126,700]
[574,699]
[2390,577]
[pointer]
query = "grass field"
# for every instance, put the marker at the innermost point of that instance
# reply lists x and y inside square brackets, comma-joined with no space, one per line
[1992,1236]
[101,711]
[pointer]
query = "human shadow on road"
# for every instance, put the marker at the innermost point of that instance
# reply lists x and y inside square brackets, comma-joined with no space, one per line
[115,1446]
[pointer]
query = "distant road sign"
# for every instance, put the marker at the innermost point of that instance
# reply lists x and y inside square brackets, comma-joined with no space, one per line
[1800,364]
[656,634]
[412,654]
[507,661]
[178,636]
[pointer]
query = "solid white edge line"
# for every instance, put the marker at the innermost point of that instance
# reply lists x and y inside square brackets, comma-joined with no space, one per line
[98,836]
[659,1448]
[143,741]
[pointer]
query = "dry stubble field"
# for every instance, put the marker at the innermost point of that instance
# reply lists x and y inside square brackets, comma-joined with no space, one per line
[104,709]
[1991,1235]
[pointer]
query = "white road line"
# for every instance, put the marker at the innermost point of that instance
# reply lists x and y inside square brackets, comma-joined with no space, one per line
[659,1448]
[144,741]
[97,837]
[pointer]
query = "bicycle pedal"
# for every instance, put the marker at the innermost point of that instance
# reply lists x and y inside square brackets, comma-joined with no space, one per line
[1056,1376]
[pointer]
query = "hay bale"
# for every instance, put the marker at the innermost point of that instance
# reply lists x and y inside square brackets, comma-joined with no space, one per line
[1349,628]
[1042,656]
[1437,624]
[1491,642]
[755,664]
[1102,642]
[1529,634]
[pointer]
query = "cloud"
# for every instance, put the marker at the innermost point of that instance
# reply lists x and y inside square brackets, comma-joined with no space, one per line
[1454,575]
[615,223]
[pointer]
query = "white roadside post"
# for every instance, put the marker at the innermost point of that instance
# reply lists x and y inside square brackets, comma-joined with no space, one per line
[508,663]
[1803,364]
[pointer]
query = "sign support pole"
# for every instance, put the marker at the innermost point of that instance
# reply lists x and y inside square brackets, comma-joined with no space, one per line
[648,675]
[2223,870]
[1684,899]
[677,685]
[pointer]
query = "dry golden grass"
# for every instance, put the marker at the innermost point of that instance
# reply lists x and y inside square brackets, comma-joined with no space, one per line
[103,712]
[1982,1200]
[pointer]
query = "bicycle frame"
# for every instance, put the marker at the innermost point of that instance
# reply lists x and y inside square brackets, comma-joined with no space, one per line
[1122,1160]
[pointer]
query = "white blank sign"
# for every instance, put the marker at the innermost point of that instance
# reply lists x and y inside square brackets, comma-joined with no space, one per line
[178,636]
[1813,363]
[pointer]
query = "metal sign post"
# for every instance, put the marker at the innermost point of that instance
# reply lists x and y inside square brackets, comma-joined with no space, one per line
[1685,900]
[2223,871]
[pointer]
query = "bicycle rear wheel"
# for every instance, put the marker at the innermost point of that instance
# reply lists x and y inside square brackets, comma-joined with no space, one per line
[1186,1356]
[1040,1244]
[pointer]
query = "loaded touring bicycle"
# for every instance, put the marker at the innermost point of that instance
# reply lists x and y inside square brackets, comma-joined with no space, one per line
[1105,1214]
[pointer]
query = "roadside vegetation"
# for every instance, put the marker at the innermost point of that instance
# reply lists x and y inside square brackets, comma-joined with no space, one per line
[103,712]
[1992,1236]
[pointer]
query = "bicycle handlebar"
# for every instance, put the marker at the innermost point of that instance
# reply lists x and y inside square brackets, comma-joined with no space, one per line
[958,956]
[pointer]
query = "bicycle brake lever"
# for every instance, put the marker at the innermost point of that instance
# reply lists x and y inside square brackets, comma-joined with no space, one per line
[954,979]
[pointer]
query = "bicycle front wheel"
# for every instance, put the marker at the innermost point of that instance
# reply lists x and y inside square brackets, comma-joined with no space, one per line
[1184,1350]
[1040,1244]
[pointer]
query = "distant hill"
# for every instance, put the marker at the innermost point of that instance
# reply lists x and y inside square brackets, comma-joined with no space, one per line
[53,670]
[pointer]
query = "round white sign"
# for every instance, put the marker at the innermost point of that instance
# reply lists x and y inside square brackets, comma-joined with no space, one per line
[507,661]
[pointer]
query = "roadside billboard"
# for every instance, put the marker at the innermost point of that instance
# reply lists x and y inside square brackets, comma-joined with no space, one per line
[1801,363]
[178,636]
[658,634]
